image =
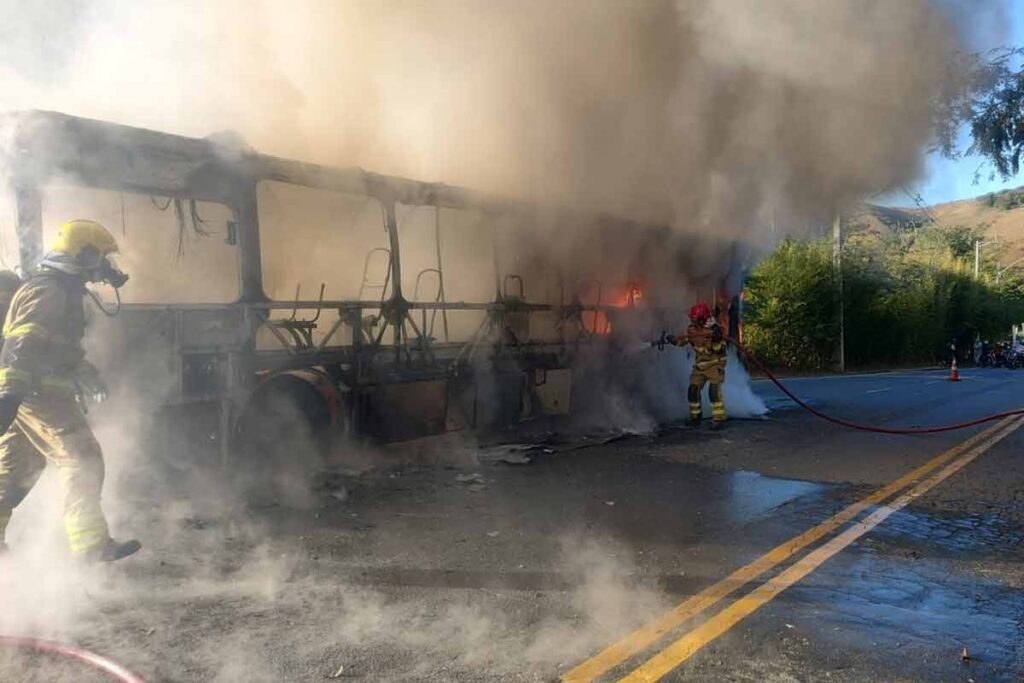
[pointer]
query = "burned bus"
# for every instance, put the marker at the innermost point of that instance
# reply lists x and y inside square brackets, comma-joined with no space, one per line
[353,302]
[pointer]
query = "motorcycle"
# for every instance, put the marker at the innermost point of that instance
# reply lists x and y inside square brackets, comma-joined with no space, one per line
[1000,358]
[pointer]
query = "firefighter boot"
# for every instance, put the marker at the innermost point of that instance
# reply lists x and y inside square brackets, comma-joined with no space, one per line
[696,409]
[717,406]
[111,551]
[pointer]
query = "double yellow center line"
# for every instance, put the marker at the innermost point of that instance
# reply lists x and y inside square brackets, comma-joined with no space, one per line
[915,483]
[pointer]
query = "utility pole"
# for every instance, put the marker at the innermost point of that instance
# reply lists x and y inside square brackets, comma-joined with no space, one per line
[837,267]
[978,244]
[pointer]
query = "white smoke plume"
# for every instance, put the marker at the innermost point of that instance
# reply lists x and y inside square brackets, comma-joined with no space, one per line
[710,115]
[716,118]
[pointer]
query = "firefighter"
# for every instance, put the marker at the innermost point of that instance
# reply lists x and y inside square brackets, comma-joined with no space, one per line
[709,347]
[43,378]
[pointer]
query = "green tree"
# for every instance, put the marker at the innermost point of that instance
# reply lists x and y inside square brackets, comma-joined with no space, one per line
[985,93]
[904,302]
[790,306]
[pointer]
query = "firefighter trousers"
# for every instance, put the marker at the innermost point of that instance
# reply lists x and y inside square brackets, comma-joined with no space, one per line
[51,428]
[713,376]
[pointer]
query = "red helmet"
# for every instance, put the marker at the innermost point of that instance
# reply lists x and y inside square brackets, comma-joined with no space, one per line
[700,313]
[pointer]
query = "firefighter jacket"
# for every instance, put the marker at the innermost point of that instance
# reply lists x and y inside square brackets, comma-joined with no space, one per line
[709,347]
[42,344]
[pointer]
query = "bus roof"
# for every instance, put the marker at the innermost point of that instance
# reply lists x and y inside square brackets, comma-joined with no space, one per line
[44,146]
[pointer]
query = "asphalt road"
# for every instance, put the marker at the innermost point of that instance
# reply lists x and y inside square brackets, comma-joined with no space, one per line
[784,549]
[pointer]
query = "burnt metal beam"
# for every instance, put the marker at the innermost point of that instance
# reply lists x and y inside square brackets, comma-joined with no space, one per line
[391,225]
[382,187]
[28,205]
[250,257]
[51,146]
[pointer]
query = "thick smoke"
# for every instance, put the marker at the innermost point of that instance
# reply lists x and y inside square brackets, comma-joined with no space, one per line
[709,115]
[714,117]
[717,118]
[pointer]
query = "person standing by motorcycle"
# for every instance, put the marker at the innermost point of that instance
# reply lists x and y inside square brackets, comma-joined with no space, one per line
[1016,358]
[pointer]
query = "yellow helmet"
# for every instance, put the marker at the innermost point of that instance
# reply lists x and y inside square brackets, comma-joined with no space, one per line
[77,235]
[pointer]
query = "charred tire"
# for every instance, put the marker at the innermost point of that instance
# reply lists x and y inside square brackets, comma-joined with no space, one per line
[282,438]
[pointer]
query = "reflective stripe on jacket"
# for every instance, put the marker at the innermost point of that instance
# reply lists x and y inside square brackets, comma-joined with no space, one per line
[709,348]
[42,345]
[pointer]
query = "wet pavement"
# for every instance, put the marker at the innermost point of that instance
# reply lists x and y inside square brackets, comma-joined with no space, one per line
[519,572]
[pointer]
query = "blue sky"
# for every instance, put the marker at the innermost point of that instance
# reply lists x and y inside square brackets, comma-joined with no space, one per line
[946,179]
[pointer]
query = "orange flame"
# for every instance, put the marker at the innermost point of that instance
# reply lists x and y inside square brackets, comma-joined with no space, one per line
[630,295]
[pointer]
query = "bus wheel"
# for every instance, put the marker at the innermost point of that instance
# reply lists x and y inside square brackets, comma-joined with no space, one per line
[282,438]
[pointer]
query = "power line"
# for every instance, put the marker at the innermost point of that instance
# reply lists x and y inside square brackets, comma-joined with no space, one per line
[919,201]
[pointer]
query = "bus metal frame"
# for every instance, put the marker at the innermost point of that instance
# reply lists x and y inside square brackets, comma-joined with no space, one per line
[45,146]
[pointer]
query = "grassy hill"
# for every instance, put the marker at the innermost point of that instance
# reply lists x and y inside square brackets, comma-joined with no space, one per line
[1002,216]
[998,216]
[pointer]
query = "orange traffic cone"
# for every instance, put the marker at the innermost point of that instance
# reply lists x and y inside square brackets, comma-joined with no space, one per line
[954,372]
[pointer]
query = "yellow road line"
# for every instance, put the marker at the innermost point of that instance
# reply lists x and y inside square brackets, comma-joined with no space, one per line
[681,650]
[654,631]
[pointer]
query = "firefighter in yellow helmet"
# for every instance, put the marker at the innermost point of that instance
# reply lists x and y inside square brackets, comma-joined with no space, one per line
[43,376]
[709,347]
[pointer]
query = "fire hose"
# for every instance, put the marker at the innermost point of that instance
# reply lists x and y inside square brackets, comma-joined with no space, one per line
[863,427]
[759,364]
[113,669]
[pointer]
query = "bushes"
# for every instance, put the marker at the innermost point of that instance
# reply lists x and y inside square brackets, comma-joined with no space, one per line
[902,305]
[1006,200]
[790,306]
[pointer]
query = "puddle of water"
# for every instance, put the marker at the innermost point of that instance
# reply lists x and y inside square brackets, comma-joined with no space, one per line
[752,495]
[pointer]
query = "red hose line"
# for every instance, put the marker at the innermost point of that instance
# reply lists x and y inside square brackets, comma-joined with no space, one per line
[92,659]
[862,427]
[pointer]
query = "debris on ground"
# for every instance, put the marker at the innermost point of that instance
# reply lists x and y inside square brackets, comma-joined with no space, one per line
[339,672]
[516,458]
[473,481]
[965,656]
[510,455]
[196,523]
[526,453]
[334,485]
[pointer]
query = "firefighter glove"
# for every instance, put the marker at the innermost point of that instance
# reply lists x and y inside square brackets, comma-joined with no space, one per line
[91,386]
